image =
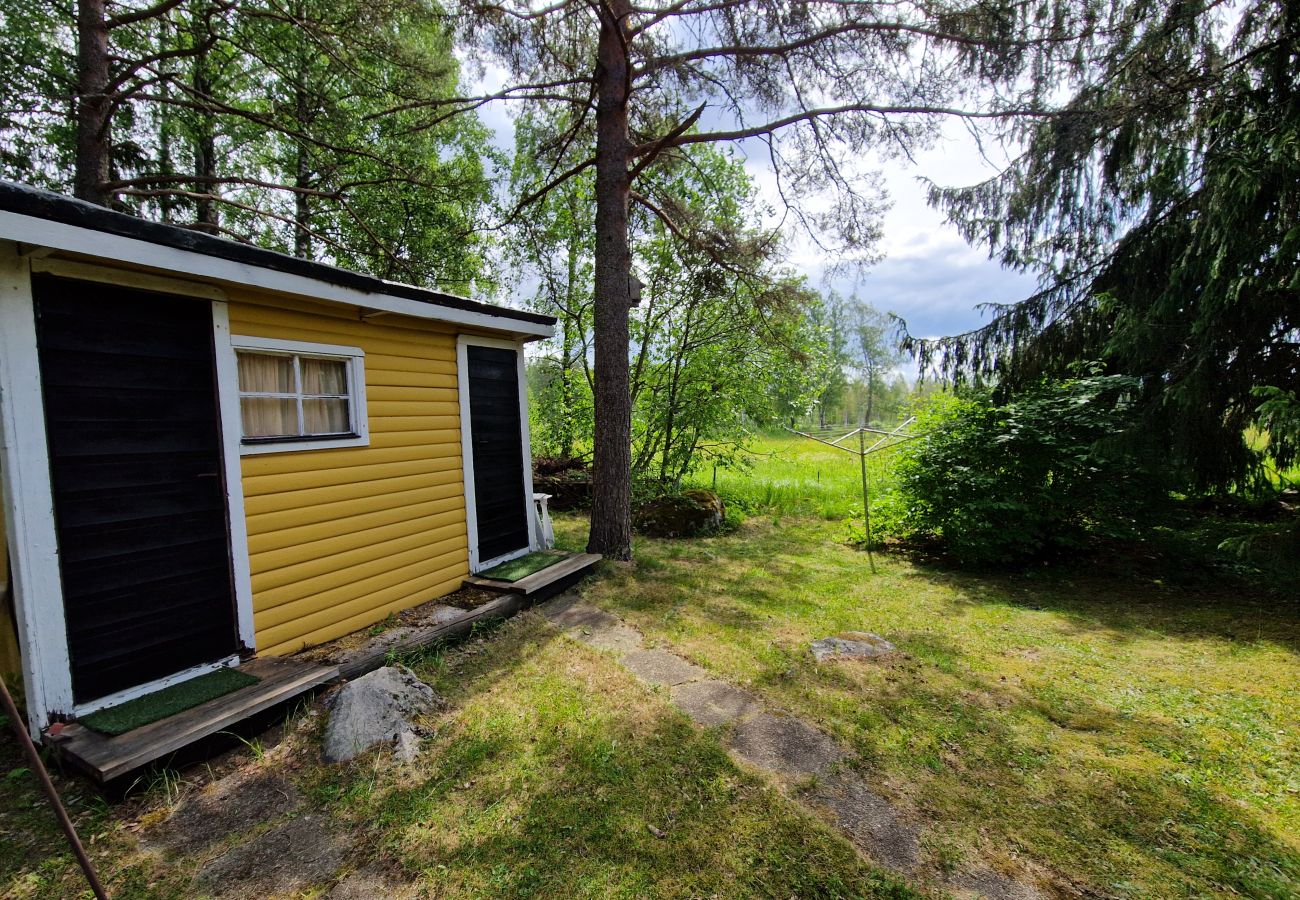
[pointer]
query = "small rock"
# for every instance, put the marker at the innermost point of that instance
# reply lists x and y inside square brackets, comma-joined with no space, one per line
[374,709]
[853,645]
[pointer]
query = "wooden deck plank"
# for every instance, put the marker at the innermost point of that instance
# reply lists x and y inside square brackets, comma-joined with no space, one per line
[106,758]
[572,567]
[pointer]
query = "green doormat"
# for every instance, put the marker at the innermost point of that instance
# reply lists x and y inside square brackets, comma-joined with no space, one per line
[170,700]
[522,567]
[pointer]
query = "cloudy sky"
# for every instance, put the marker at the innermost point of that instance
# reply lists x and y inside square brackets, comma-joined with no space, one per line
[929,275]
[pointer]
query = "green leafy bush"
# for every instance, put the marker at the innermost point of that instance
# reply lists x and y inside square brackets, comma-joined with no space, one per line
[1035,475]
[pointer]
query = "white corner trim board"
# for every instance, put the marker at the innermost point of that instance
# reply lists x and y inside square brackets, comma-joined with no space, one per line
[467,449]
[231,429]
[29,501]
[75,239]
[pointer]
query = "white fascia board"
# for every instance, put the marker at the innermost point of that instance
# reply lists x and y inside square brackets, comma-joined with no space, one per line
[31,230]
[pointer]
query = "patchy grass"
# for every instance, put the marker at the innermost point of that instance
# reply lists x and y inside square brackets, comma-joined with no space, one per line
[787,475]
[552,773]
[552,777]
[1136,739]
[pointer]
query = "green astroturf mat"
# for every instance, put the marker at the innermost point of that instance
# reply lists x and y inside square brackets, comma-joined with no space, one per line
[522,567]
[167,702]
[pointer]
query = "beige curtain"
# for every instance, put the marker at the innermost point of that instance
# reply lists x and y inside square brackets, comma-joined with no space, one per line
[323,393]
[325,416]
[324,376]
[265,373]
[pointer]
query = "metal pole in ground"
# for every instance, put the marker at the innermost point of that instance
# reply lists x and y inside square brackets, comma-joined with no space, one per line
[34,758]
[866,497]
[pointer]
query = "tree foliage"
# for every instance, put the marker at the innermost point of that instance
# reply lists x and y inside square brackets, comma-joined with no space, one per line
[818,85]
[305,126]
[1162,207]
[998,482]
[719,349]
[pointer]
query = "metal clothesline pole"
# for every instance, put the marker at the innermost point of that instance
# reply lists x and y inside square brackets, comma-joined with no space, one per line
[887,439]
[866,498]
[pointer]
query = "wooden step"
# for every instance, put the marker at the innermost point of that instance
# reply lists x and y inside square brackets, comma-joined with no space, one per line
[105,758]
[552,579]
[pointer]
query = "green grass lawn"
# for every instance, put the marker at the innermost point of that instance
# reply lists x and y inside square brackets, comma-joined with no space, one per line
[793,475]
[551,772]
[1131,737]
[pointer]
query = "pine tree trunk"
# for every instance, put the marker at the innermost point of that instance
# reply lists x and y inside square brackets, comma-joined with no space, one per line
[611,508]
[94,139]
[206,215]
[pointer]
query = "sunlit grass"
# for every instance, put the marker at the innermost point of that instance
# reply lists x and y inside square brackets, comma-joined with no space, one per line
[1134,738]
[796,476]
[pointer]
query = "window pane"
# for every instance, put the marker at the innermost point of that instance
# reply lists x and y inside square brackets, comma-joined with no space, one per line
[324,376]
[325,416]
[268,417]
[264,373]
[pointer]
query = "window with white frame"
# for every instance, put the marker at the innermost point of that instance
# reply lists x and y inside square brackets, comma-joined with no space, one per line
[291,393]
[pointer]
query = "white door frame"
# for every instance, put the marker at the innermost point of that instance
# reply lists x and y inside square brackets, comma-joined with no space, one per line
[467,449]
[29,501]
[29,506]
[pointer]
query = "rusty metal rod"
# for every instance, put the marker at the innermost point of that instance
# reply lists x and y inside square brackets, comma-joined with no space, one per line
[51,793]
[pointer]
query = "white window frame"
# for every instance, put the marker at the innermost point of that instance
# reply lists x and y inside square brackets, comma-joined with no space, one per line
[354,357]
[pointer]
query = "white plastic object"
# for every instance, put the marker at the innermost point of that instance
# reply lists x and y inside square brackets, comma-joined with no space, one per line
[545,530]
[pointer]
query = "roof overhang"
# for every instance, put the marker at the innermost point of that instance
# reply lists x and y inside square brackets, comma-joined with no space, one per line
[265,270]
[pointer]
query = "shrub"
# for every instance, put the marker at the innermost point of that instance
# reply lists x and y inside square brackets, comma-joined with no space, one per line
[1037,474]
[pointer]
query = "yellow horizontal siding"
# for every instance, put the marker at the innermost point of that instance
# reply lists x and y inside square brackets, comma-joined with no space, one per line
[341,538]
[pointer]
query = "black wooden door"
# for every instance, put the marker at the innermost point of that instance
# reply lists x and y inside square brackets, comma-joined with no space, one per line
[500,506]
[139,494]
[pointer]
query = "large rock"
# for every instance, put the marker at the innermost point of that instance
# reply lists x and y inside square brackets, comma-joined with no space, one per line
[851,645]
[687,514]
[377,708]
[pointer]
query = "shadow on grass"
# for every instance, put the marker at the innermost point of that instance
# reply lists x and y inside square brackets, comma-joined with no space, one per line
[557,776]
[1162,797]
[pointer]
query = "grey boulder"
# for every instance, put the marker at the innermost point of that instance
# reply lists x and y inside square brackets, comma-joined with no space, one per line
[377,708]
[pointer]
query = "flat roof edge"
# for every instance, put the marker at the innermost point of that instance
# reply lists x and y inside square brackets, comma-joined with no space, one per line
[56,209]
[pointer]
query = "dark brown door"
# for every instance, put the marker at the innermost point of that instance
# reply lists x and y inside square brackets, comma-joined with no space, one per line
[139,495]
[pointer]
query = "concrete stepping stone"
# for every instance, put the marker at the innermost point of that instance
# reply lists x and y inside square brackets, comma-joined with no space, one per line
[870,821]
[369,884]
[662,668]
[851,645]
[591,625]
[230,806]
[710,702]
[784,745]
[288,858]
[617,639]
[989,885]
[575,614]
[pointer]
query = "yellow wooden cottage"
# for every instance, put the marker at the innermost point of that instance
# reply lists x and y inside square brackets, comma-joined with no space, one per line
[213,452]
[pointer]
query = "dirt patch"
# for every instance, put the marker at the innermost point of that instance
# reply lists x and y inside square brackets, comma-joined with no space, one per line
[711,702]
[784,745]
[289,857]
[230,806]
[662,668]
